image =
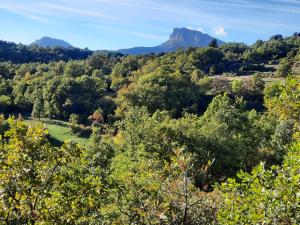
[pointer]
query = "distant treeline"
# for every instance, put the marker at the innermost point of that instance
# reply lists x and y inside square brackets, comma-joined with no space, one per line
[261,51]
[19,53]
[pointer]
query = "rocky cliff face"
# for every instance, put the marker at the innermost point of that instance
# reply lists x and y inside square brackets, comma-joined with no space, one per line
[51,42]
[179,38]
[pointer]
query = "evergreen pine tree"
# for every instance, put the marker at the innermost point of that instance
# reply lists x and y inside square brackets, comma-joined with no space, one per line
[37,108]
[213,43]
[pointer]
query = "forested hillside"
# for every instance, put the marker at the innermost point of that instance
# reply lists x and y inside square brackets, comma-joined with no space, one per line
[199,136]
[19,53]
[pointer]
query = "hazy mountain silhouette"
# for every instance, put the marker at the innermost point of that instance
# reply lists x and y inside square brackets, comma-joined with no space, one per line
[51,42]
[179,38]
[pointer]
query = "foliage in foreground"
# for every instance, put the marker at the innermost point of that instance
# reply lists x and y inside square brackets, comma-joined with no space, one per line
[41,184]
[155,169]
[264,196]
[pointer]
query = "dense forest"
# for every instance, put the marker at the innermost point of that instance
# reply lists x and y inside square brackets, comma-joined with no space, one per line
[197,136]
[19,53]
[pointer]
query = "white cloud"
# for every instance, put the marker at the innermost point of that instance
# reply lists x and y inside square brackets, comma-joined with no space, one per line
[219,31]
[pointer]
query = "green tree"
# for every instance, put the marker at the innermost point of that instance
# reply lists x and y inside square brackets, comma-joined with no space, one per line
[275,193]
[21,99]
[5,103]
[122,71]
[42,184]
[284,68]
[205,58]
[140,179]
[27,164]
[37,110]
[228,133]
[283,100]
[101,62]
[257,83]
[74,69]
[74,126]
[281,139]
[233,51]
[237,86]
[161,92]
[213,43]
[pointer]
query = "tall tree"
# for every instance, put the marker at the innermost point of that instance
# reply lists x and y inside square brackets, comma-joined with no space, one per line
[37,110]
[213,43]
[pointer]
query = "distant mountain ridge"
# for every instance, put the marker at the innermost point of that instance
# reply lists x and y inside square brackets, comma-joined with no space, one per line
[179,38]
[46,42]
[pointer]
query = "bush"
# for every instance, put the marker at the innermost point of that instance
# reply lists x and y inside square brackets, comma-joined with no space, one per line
[5,103]
[284,68]
[74,123]
[257,83]
[264,196]
[237,86]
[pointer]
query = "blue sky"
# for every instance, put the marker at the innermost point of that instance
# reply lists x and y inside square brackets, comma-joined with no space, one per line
[114,24]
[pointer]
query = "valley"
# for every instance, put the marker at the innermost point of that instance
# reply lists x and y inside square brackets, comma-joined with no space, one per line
[197,125]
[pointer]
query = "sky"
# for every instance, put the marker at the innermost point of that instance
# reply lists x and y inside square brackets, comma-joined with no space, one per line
[115,24]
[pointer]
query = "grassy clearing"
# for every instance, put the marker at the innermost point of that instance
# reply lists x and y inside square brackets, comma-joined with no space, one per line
[59,131]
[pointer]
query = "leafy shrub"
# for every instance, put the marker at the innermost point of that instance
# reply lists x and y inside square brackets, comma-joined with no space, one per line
[284,68]
[264,196]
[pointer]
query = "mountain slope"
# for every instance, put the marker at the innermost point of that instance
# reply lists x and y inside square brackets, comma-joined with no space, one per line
[180,38]
[51,42]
